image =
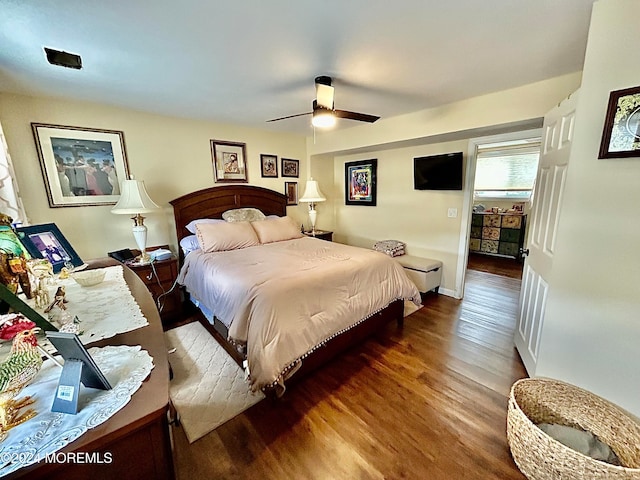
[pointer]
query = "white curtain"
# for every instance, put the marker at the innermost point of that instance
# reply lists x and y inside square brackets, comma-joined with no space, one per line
[10,201]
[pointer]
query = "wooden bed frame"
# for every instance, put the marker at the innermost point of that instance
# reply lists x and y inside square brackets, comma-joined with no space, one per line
[212,203]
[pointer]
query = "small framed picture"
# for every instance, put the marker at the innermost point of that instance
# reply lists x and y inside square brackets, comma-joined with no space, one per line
[621,135]
[269,164]
[290,168]
[81,166]
[47,241]
[229,161]
[360,182]
[291,191]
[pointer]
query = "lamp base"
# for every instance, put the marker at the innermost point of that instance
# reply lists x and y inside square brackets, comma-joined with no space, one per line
[312,217]
[143,259]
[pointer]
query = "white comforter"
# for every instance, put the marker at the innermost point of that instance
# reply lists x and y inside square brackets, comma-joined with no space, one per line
[284,299]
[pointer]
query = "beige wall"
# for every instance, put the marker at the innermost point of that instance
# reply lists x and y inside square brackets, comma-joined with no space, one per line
[171,155]
[416,217]
[591,327]
[419,218]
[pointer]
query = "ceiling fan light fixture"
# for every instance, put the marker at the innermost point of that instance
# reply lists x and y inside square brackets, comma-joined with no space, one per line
[323,118]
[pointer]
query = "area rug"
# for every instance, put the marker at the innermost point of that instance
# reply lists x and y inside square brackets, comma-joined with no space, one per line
[409,308]
[208,388]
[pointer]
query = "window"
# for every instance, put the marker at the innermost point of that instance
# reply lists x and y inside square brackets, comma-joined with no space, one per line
[507,170]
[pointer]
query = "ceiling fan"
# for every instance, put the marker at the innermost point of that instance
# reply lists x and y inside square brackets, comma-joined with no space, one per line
[324,115]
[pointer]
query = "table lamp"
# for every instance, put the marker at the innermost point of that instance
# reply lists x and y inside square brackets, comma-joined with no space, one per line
[312,195]
[134,200]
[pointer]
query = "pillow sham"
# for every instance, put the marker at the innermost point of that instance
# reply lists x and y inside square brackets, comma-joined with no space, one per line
[191,226]
[243,215]
[188,244]
[219,237]
[276,229]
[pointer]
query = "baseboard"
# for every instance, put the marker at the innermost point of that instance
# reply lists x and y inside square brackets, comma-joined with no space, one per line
[447,292]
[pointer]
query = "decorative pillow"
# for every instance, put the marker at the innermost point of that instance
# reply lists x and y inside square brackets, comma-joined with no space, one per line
[191,226]
[219,237]
[276,229]
[189,244]
[243,215]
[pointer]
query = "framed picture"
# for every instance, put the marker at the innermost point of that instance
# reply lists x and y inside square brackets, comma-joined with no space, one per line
[81,166]
[229,161]
[46,241]
[291,191]
[290,168]
[269,165]
[360,182]
[621,135]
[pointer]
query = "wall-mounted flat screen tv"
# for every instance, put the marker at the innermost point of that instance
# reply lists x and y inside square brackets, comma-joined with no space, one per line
[438,172]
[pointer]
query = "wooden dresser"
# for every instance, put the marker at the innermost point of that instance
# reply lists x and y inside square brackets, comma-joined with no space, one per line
[137,438]
[497,233]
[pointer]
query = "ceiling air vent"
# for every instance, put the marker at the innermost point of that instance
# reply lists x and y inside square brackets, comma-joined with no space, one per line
[64,59]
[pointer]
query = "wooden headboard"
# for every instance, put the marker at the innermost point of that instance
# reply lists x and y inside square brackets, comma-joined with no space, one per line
[213,202]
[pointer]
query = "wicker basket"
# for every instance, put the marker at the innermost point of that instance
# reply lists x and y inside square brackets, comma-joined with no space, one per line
[540,457]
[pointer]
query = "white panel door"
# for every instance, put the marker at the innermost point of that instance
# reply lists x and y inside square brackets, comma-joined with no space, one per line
[545,212]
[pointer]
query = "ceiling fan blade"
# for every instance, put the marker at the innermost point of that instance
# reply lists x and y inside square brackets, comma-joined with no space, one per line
[362,117]
[289,116]
[324,95]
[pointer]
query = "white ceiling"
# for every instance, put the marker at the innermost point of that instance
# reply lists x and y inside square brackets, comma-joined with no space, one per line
[247,61]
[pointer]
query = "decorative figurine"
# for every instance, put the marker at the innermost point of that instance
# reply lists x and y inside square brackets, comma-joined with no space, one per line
[17,371]
[41,275]
[13,272]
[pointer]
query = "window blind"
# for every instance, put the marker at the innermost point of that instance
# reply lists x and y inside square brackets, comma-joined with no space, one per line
[506,171]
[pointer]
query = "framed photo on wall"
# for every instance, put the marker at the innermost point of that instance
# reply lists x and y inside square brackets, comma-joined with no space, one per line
[621,135]
[291,191]
[229,161]
[269,165]
[360,182]
[290,168]
[81,166]
[47,241]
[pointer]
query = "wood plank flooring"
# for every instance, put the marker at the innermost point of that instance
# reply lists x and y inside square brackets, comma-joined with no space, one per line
[425,402]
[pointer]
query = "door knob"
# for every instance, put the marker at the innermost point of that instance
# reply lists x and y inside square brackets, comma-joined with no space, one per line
[524,252]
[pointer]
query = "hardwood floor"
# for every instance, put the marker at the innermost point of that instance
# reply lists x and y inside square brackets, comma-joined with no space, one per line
[506,267]
[427,401]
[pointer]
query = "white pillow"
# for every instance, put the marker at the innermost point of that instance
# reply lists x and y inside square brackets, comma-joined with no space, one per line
[219,237]
[189,244]
[191,226]
[243,215]
[276,229]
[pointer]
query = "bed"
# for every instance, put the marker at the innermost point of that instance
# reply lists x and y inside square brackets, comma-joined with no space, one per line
[283,306]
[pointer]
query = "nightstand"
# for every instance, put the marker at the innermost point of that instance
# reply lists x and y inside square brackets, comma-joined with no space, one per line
[321,234]
[159,278]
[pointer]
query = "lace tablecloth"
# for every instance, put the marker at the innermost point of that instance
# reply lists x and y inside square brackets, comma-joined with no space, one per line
[125,367]
[104,310]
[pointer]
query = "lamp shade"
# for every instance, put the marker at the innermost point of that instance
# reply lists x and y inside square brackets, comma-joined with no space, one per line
[134,199]
[312,193]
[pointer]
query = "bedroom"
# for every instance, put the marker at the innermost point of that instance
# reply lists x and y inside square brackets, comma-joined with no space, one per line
[157,146]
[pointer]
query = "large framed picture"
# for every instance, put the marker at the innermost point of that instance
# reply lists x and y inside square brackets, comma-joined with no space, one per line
[290,168]
[269,165]
[229,161]
[360,182]
[81,166]
[47,241]
[621,135]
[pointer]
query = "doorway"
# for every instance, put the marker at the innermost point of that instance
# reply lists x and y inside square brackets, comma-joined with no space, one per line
[499,188]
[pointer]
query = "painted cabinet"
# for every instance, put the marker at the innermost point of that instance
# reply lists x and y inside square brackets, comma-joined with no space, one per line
[497,233]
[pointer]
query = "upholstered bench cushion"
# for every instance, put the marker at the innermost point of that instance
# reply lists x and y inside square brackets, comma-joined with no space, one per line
[426,273]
